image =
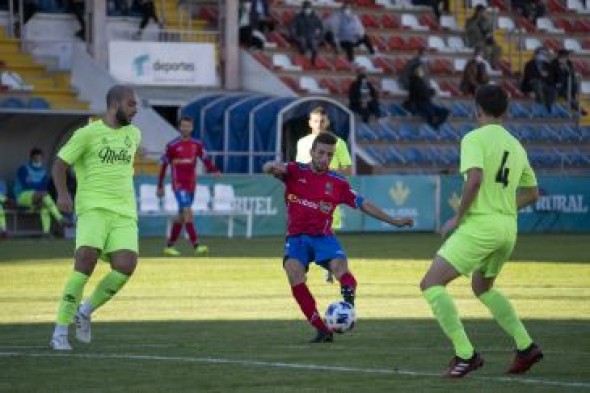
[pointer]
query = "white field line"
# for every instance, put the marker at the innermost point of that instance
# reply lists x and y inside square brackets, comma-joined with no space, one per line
[299,366]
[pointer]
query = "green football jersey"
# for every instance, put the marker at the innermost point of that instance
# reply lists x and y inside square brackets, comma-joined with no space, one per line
[103,161]
[505,167]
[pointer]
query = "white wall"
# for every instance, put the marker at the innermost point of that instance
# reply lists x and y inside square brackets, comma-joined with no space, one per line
[93,82]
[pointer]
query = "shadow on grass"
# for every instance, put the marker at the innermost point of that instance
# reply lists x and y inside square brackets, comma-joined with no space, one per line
[396,355]
[546,248]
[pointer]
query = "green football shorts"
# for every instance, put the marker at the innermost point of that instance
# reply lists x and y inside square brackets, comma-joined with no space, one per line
[106,231]
[482,243]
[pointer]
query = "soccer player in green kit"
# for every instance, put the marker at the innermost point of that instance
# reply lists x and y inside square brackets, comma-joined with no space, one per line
[102,155]
[498,181]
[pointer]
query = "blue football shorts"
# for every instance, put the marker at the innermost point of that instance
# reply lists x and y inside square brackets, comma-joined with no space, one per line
[184,198]
[318,249]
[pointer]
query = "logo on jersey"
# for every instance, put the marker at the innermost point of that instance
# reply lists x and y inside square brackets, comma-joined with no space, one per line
[128,142]
[110,156]
[325,207]
[302,180]
[399,193]
[454,201]
[292,198]
[329,188]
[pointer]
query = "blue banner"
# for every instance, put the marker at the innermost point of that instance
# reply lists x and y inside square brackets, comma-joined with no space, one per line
[401,196]
[562,206]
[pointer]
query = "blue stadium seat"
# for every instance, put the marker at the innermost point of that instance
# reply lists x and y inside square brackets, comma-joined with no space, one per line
[518,111]
[397,110]
[460,109]
[408,132]
[387,132]
[447,133]
[364,133]
[428,134]
[13,103]
[375,154]
[464,128]
[39,103]
[393,156]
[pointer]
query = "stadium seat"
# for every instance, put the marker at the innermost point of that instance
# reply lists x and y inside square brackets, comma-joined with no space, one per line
[429,21]
[279,40]
[518,111]
[366,63]
[506,23]
[410,22]
[390,21]
[556,6]
[436,43]
[262,58]
[397,110]
[379,42]
[545,24]
[39,103]
[573,44]
[447,133]
[451,88]
[457,45]
[532,43]
[416,43]
[302,61]
[391,87]
[364,132]
[440,66]
[385,64]
[330,84]
[397,43]
[439,92]
[525,24]
[553,44]
[370,21]
[13,103]
[310,85]
[449,22]
[408,132]
[282,62]
[460,109]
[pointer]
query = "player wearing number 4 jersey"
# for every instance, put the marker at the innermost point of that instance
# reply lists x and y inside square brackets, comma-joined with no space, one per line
[498,181]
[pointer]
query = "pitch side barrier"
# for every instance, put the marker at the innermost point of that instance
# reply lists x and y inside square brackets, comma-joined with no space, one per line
[430,200]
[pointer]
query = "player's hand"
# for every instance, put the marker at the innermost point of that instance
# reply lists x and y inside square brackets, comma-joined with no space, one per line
[274,168]
[405,222]
[160,192]
[65,203]
[449,227]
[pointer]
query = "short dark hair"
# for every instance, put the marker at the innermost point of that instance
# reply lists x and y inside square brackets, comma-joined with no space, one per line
[492,99]
[35,151]
[326,138]
[117,93]
[185,118]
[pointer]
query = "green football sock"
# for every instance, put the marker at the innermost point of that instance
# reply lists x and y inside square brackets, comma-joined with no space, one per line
[446,314]
[45,219]
[506,316]
[107,288]
[52,207]
[71,297]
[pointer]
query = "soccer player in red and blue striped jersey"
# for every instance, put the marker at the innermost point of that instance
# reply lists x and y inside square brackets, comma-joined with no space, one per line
[181,154]
[312,192]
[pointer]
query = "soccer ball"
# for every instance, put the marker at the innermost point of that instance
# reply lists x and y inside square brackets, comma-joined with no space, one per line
[340,316]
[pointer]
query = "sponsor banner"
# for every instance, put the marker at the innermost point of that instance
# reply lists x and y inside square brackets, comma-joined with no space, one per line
[352,219]
[262,195]
[171,63]
[562,207]
[401,196]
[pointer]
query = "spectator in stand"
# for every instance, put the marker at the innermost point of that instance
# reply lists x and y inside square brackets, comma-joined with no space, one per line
[30,8]
[363,97]
[475,73]
[437,6]
[419,60]
[345,30]
[260,16]
[420,103]
[563,77]
[249,36]
[537,79]
[148,11]
[77,8]
[12,80]
[307,30]
[529,9]
[479,33]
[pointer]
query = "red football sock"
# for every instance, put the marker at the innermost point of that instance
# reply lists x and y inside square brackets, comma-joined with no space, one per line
[307,304]
[348,280]
[192,233]
[174,233]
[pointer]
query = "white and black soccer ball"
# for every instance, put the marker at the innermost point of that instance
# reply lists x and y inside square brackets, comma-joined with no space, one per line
[340,316]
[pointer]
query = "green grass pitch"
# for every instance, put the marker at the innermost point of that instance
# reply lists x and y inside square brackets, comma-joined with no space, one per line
[228,323]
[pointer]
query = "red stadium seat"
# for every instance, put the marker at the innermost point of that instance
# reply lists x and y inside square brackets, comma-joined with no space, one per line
[581,26]
[399,64]
[345,84]
[262,58]
[209,14]
[512,89]
[500,4]
[564,24]
[396,43]
[302,61]
[379,42]
[291,83]
[278,39]
[504,66]
[321,63]
[451,88]
[389,21]
[415,43]
[369,21]
[330,84]
[586,43]
[428,20]
[386,64]
[553,43]
[524,23]
[556,6]
[342,65]
[441,67]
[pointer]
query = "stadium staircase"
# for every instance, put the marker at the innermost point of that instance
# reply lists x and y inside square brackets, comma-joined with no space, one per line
[401,142]
[51,90]
[180,17]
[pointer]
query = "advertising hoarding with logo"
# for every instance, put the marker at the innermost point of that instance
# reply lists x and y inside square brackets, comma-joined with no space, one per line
[171,63]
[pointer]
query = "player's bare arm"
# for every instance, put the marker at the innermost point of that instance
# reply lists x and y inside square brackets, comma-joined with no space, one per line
[161,177]
[470,191]
[375,212]
[64,199]
[274,168]
[526,196]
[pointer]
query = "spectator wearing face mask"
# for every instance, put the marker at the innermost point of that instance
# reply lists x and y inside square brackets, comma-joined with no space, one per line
[420,103]
[475,73]
[479,33]
[307,30]
[363,97]
[345,30]
[537,79]
[419,60]
[31,190]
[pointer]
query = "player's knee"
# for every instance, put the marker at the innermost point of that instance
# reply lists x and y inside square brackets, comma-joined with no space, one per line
[85,260]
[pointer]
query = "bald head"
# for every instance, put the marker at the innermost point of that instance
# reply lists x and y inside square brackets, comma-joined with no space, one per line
[118,93]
